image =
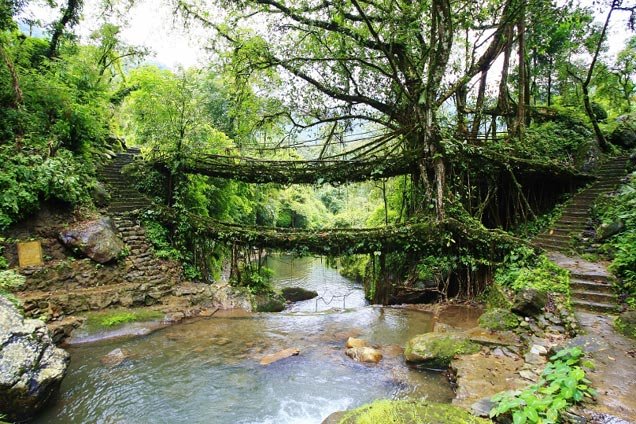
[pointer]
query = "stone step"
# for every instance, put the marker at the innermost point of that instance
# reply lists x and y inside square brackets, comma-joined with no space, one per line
[554,236]
[594,306]
[551,246]
[595,277]
[577,284]
[592,296]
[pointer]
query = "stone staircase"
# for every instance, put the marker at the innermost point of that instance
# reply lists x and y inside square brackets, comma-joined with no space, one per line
[590,283]
[140,279]
[124,197]
[576,214]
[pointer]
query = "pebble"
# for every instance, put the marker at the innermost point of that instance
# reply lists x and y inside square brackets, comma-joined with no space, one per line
[538,350]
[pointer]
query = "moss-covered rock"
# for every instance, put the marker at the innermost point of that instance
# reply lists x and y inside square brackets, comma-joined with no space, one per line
[437,349]
[499,319]
[297,294]
[268,302]
[409,412]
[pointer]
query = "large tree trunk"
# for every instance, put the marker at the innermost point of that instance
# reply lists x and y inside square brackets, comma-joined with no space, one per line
[503,100]
[523,80]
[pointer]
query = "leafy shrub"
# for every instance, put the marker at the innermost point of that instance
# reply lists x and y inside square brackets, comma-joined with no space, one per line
[257,280]
[562,384]
[27,177]
[622,247]
[522,268]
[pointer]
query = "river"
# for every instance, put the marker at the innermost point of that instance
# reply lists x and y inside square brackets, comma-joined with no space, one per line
[207,370]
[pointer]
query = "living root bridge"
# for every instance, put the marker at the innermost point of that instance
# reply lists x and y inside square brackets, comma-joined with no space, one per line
[254,170]
[421,238]
[259,171]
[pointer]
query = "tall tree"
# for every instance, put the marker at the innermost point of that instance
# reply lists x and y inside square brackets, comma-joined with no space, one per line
[384,62]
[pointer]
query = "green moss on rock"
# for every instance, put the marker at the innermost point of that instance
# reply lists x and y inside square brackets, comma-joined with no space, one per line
[407,412]
[437,349]
[499,319]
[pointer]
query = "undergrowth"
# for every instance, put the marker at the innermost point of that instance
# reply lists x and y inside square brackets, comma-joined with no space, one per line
[621,248]
[523,268]
[562,384]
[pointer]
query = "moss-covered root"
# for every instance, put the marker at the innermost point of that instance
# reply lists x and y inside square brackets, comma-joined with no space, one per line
[409,412]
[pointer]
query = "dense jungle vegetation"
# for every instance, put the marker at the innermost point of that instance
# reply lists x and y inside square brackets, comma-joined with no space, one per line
[500,104]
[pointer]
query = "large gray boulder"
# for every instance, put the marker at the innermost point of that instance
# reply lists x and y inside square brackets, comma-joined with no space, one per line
[31,367]
[95,239]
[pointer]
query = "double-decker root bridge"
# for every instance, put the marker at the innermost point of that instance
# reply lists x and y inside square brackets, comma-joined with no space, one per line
[418,237]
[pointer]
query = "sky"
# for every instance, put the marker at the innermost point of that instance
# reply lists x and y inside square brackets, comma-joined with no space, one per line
[151,23]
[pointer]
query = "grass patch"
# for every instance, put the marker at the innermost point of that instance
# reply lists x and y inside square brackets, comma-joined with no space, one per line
[109,319]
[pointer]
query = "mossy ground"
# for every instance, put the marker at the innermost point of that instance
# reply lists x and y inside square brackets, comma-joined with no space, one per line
[407,412]
[102,320]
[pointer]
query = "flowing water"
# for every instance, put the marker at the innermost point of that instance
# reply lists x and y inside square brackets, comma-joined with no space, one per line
[208,371]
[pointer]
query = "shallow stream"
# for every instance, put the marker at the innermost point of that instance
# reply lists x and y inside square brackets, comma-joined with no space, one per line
[207,370]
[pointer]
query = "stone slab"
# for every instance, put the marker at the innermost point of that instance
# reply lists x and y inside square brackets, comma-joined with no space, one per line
[30,253]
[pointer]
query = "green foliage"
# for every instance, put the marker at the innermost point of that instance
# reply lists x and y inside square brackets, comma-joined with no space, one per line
[354,267]
[28,177]
[10,281]
[562,384]
[522,268]
[556,140]
[625,328]
[622,247]
[257,281]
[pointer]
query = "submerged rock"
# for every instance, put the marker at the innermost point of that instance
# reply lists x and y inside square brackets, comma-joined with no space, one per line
[353,342]
[406,412]
[283,354]
[529,302]
[115,357]
[437,349]
[297,294]
[94,239]
[364,354]
[499,319]
[31,367]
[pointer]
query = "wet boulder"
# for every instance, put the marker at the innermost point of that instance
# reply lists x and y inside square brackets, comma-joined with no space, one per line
[95,239]
[298,294]
[438,349]
[364,354]
[529,302]
[268,302]
[31,367]
[498,319]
